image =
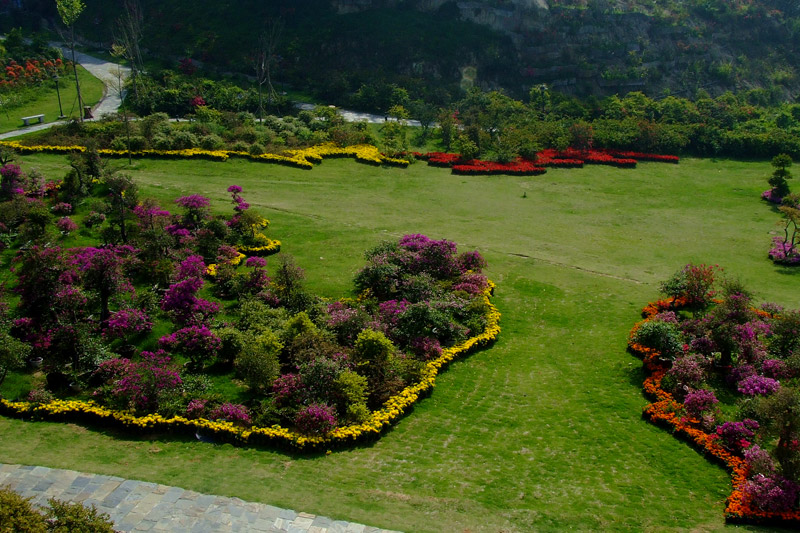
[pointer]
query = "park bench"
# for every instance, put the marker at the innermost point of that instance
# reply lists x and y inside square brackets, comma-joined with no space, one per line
[27,120]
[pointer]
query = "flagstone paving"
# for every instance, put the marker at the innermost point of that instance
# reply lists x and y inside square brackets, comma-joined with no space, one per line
[138,506]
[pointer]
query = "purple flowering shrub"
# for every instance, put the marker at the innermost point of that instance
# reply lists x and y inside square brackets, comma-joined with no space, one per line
[231,412]
[316,419]
[759,461]
[197,408]
[127,322]
[736,436]
[346,321]
[196,210]
[139,386]
[756,385]
[198,343]
[287,389]
[775,369]
[181,299]
[62,208]
[699,402]
[784,252]
[689,370]
[771,493]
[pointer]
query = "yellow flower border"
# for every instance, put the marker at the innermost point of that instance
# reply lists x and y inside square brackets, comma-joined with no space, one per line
[394,408]
[304,159]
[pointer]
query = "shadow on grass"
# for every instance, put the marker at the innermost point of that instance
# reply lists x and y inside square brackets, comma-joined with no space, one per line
[787,270]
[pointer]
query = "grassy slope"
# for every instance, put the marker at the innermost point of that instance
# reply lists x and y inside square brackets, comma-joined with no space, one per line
[47,103]
[541,432]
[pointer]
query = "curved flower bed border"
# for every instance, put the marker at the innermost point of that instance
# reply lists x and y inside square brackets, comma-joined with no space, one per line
[275,436]
[663,412]
[569,158]
[304,159]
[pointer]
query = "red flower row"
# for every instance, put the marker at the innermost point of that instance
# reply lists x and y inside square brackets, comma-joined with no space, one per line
[477,167]
[570,158]
[664,412]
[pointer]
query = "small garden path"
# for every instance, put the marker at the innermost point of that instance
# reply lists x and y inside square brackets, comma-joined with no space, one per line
[141,506]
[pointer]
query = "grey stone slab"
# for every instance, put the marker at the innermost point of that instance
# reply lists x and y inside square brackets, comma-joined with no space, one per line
[322,521]
[288,514]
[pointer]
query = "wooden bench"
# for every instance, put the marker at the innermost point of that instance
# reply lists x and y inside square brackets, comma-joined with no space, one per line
[27,120]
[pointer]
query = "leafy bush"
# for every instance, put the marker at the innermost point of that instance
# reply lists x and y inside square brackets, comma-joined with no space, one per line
[17,514]
[64,517]
[211,142]
[257,363]
[352,389]
[664,337]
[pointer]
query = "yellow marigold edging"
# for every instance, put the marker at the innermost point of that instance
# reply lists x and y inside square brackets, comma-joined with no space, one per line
[392,410]
[304,159]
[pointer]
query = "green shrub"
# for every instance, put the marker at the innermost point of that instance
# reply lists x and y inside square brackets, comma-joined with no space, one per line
[151,125]
[297,325]
[211,142]
[162,142]
[17,514]
[255,316]
[258,364]
[182,140]
[232,341]
[352,391]
[256,149]
[240,146]
[64,517]
[371,352]
[664,337]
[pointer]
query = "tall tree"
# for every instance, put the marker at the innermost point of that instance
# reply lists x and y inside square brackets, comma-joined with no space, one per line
[264,60]
[69,11]
[128,35]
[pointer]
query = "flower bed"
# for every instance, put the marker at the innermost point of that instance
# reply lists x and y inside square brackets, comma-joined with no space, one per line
[392,411]
[570,158]
[130,331]
[759,495]
[477,167]
[304,159]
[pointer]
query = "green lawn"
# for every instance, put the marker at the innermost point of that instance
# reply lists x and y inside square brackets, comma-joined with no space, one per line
[542,432]
[47,102]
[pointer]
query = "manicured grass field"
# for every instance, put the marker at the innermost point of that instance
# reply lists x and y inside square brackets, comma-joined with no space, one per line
[543,431]
[47,102]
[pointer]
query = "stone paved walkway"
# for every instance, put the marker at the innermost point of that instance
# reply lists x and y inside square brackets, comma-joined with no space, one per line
[140,506]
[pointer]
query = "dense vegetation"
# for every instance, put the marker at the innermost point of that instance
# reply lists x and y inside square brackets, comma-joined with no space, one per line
[434,49]
[119,309]
[725,373]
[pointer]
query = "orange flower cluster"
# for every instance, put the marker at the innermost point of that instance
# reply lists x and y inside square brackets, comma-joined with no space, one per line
[664,411]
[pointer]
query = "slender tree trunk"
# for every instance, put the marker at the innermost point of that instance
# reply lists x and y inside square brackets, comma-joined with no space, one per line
[75,70]
[260,103]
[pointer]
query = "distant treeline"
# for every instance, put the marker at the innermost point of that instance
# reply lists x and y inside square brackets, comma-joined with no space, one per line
[492,125]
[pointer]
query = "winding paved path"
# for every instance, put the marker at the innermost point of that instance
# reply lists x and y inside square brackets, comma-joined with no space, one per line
[140,506]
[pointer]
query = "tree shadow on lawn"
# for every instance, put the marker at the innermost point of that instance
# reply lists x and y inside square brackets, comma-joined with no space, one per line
[787,270]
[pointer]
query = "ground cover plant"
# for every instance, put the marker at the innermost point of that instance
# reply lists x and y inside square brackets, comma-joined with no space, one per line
[543,431]
[311,374]
[724,376]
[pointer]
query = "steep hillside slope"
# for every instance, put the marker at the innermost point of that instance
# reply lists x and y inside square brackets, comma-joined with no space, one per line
[433,47]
